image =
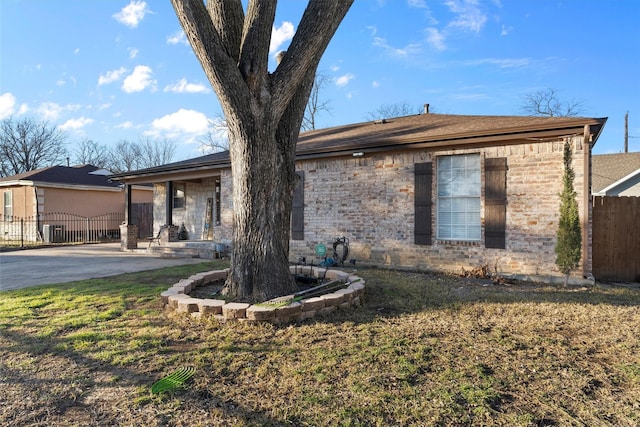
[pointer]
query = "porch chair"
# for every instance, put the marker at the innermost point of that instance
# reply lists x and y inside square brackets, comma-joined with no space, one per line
[156,238]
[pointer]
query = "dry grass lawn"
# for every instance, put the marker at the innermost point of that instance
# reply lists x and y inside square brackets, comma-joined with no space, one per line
[424,350]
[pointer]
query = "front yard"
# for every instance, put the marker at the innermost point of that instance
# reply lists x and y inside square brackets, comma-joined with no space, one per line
[424,349]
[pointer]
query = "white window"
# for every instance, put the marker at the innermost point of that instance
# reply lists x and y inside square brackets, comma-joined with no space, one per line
[8,205]
[178,195]
[458,216]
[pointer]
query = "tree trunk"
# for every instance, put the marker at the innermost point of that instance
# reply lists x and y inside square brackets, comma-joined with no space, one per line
[263,182]
[264,112]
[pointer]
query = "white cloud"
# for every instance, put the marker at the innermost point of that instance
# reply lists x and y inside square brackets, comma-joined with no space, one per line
[177,37]
[111,76]
[125,125]
[469,16]
[139,80]
[132,14]
[410,49]
[181,122]
[505,30]
[375,84]
[183,87]
[49,110]
[281,35]
[76,50]
[435,38]
[421,4]
[500,63]
[133,52]
[76,124]
[344,80]
[7,104]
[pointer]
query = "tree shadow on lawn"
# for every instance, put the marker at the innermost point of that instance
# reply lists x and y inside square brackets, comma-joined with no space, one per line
[46,382]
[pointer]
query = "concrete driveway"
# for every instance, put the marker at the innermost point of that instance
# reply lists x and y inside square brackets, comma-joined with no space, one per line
[30,267]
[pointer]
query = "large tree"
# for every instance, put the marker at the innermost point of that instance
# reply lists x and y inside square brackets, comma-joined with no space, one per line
[264,113]
[27,144]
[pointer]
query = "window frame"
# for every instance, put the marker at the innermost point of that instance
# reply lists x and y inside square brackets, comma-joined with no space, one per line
[7,207]
[179,186]
[470,214]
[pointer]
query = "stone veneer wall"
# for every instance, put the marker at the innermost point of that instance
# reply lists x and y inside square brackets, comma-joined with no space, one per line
[196,194]
[370,200]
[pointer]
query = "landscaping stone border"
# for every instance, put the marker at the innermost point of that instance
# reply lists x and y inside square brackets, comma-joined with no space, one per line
[177,299]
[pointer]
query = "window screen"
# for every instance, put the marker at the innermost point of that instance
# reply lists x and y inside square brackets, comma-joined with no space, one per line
[459,197]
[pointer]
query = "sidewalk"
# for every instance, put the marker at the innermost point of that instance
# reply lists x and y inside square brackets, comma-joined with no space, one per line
[30,267]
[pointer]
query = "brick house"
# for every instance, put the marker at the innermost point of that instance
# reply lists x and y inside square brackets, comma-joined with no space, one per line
[429,191]
[64,197]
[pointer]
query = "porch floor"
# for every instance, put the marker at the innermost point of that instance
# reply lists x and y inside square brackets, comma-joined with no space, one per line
[206,249]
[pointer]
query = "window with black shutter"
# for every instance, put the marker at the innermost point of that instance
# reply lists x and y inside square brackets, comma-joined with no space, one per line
[422,203]
[297,211]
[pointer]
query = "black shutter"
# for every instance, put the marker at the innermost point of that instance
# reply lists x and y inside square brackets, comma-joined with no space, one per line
[422,203]
[297,211]
[495,202]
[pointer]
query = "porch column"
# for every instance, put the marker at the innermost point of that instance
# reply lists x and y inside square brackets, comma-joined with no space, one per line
[169,203]
[127,204]
[128,231]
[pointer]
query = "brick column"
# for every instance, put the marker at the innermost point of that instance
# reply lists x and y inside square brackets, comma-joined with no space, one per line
[128,237]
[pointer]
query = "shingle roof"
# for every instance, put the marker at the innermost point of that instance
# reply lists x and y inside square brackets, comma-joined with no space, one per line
[607,169]
[434,130]
[422,130]
[74,175]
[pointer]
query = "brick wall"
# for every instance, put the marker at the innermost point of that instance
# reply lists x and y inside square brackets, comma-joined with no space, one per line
[370,201]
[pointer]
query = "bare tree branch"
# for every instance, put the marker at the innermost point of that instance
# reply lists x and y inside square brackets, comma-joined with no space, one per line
[546,102]
[316,105]
[387,111]
[26,145]
[90,152]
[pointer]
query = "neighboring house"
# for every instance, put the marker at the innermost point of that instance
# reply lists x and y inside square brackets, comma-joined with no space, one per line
[616,174]
[430,191]
[71,199]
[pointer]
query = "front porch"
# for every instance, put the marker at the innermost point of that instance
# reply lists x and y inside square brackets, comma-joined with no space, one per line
[205,249]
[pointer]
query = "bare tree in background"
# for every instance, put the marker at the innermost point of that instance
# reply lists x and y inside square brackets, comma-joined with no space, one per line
[216,139]
[388,111]
[264,113]
[26,145]
[155,152]
[315,105]
[145,153]
[546,102]
[90,152]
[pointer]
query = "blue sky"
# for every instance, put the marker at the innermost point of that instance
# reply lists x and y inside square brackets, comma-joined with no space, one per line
[109,70]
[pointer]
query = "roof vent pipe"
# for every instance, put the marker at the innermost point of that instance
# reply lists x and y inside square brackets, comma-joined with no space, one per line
[426,108]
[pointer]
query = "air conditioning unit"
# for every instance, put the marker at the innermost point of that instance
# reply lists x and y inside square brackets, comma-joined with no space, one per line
[53,233]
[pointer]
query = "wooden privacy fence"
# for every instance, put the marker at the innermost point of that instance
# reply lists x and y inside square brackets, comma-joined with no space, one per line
[142,216]
[616,238]
[59,228]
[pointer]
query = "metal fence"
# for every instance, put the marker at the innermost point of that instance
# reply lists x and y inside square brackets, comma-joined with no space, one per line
[59,228]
